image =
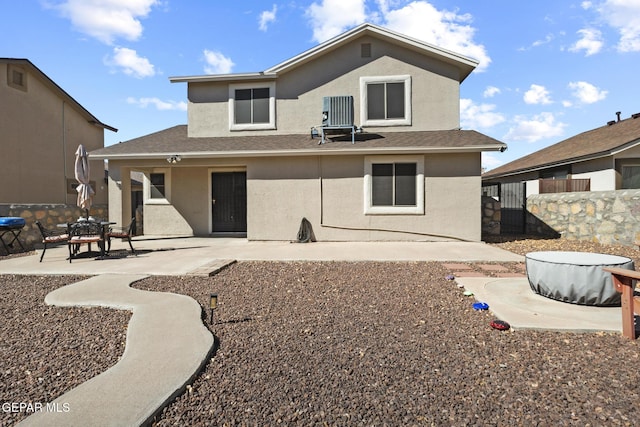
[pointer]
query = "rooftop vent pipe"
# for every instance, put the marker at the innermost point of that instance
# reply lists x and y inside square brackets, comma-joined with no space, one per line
[618,114]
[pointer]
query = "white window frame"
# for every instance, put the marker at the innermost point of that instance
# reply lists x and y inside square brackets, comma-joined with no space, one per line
[148,200]
[369,209]
[364,119]
[251,126]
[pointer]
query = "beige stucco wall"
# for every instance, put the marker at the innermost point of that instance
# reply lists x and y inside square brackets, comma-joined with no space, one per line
[328,191]
[39,134]
[299,92]
[334,204]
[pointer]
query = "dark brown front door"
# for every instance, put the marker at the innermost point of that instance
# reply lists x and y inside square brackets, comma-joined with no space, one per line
[229,202]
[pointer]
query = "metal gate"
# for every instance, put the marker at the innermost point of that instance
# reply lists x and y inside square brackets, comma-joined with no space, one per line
[513,205]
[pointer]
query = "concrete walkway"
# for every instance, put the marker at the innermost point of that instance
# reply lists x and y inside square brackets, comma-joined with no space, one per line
[167,345]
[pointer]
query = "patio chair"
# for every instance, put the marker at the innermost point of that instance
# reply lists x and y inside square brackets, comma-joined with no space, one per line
[87,232]
[122,233]
[51,237]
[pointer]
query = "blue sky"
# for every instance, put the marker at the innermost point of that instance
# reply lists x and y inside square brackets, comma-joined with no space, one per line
[548,69]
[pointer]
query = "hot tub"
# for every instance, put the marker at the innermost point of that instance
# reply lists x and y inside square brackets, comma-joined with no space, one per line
[575,277]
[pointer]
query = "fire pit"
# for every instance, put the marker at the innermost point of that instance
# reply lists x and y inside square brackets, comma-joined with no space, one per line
[575,277]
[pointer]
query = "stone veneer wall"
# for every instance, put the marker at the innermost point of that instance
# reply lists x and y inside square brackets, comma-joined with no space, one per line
[48,215]
[609,217]
[490,216]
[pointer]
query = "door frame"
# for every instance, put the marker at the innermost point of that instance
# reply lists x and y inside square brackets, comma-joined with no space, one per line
[210,172]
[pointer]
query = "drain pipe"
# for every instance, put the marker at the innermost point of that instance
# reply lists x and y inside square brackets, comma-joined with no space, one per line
[64,155]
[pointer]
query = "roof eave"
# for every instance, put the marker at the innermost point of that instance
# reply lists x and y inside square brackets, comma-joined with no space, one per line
[222,77]
[299,152]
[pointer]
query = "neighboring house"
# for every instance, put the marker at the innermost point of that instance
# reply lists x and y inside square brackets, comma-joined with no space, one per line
[394,165]
[605,158]
[41,127]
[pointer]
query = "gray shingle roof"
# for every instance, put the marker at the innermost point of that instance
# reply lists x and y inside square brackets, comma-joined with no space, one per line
[175,141]
[591,144]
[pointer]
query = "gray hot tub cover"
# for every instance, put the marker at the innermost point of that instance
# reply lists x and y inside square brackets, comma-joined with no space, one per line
[575,277]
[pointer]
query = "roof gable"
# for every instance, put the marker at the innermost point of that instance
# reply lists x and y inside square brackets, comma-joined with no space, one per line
[464,64]
[603,141]
[53,86]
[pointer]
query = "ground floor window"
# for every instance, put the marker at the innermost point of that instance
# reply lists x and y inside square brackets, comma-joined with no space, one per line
[630,177]
[394,185]
[157,186]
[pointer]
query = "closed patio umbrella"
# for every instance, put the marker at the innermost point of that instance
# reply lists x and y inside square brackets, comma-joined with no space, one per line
[85,192]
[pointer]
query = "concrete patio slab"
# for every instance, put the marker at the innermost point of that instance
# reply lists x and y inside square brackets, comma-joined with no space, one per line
[181,256]
[512,300]
[167,345]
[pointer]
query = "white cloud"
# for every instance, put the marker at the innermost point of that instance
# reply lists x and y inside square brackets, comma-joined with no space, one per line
[130,63]
[446,29]
[537,95]
[591,42]
[483,116]
[489,161]
[548,39]
[418,19]
[624,16]
[267,17]
[540,126]
[332,17]
[158,103]
[587,93]
[217,63]
[107,20]
[586,5]
[491,91]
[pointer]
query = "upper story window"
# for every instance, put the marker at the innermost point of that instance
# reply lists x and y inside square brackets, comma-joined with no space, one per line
[252,106]
[385,101]
[16,77]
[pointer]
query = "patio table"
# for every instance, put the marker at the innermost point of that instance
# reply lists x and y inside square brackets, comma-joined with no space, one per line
[84,227]
[575,277]
[12,225]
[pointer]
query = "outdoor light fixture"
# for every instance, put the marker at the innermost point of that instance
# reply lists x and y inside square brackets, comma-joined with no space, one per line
[174,159]
[213,304]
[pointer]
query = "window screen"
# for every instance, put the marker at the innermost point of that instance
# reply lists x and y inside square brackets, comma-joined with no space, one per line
[252,106]
[385,101]
[393,184]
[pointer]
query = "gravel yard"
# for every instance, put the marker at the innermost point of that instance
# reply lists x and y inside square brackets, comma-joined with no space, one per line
[337,344]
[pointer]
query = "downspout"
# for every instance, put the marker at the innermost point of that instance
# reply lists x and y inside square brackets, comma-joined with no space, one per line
[64,155]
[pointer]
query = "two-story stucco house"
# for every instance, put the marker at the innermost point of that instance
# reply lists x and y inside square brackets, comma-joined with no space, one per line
[41,127]
[360,135]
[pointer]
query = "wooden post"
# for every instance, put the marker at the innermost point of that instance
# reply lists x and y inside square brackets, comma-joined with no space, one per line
[623,282]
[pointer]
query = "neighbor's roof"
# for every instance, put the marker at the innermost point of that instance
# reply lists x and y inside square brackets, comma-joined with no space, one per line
[57,89]
[174,141]
[600,142]
[465,64]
